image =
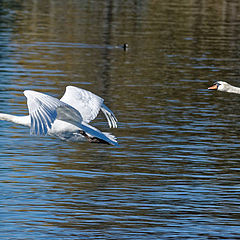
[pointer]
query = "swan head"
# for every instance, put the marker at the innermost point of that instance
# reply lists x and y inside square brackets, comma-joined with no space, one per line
[220,86]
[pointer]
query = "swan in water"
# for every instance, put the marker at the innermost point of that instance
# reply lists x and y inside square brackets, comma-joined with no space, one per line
[66,118]
[224,87]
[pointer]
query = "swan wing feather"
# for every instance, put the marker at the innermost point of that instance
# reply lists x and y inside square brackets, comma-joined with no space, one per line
[88,104]
[112,120]
[44,109]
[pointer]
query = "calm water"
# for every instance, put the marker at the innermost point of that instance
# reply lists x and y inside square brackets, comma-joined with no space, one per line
[176,174]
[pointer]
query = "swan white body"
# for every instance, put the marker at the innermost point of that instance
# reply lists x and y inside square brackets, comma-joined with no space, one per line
[66,118]
[225,87]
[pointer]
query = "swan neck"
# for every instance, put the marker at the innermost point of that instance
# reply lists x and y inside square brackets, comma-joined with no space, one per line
[233,89]
[21,120]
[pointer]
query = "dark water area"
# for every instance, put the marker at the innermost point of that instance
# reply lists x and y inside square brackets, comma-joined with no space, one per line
[176,173]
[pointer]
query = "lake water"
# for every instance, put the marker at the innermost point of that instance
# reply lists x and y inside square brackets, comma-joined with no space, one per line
[176,173]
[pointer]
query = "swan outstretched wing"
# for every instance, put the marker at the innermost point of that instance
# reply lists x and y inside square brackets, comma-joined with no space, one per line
[88,104]
[44,109]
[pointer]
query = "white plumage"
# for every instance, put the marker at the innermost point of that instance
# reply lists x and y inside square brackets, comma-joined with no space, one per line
[66,118]
[88,104]
[225,87]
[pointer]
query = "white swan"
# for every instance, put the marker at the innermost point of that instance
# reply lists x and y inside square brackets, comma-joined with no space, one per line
[224,87]
[66,118]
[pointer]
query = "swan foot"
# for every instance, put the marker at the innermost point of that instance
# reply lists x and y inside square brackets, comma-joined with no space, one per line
[93,139]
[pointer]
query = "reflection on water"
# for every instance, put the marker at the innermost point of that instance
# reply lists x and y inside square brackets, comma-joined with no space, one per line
[175,174]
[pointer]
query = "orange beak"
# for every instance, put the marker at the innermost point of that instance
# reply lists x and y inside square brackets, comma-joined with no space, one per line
[214,87]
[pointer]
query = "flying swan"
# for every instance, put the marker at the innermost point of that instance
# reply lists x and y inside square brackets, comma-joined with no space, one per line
[66,118]
[224,87]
